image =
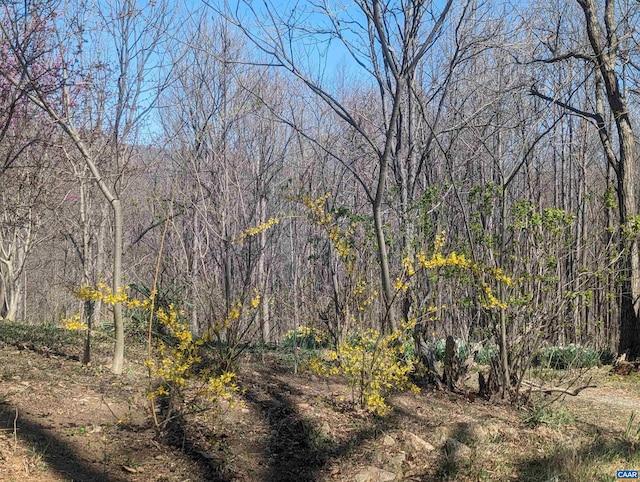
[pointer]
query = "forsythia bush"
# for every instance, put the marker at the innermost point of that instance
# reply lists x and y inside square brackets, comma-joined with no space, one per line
[374,365]
[305,337]
[458,262]
[173,363]
[176,362]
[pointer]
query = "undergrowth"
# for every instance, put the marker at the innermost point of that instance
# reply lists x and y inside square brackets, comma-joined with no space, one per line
[542,412]
[173,359]
[47,336]
[566,357]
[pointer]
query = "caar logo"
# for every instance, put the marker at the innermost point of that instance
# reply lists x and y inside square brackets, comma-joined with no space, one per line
[627,474]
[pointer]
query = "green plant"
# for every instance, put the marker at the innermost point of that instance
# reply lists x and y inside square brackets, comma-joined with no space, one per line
[306,338]
[79,430]
[544,413]
[570,356]
[463,349]
[130,464]
[37,457]
[46,335]
[486,354]
[7,373]
[632,431]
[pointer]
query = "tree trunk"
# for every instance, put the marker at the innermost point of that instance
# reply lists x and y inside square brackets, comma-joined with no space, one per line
[629,341]
[389,320]
[262,274]
[86,274]
[118,352]
[11,300]
[606,59]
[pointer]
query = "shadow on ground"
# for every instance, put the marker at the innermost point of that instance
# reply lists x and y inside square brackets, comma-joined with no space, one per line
[297,450]
[57,454]
[210,467]
[574,463]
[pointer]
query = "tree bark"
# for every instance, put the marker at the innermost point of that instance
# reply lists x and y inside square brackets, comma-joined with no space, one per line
[606,59]
[118,321]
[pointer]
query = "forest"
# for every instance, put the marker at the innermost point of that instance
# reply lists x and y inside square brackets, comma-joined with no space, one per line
[424,182]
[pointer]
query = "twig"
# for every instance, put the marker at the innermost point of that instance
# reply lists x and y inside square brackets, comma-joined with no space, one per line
[564,391]
[109,407]
[152,297]
[15,431]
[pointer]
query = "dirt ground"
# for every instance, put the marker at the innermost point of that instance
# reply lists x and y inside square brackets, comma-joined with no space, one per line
[62,421]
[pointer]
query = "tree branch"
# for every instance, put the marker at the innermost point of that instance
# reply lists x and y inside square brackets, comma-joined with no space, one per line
[563,57]
[582,113]
[564,391]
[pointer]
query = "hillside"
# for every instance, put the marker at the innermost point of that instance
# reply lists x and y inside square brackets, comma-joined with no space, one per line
[63,421]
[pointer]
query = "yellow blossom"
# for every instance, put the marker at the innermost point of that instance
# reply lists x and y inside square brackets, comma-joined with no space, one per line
[400,285]
[74,323]
[258,229]
[234,314]
[373,364]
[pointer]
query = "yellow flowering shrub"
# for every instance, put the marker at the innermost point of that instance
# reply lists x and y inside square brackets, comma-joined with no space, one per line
[374,366]
[340,238]
[254,231]
[74,323]
[356,294]
[228,336]
[177,363]
[172,362]
[305,337]
[457,263]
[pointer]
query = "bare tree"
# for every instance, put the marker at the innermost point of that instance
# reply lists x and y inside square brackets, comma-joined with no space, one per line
[609,45]
[26,204]
[135,36]
[387,41]
[27,167]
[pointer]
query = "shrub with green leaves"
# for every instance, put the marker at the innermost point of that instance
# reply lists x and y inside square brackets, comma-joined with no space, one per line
[565,357]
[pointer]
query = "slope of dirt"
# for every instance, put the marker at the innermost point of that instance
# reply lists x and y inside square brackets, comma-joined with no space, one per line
[62,421]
